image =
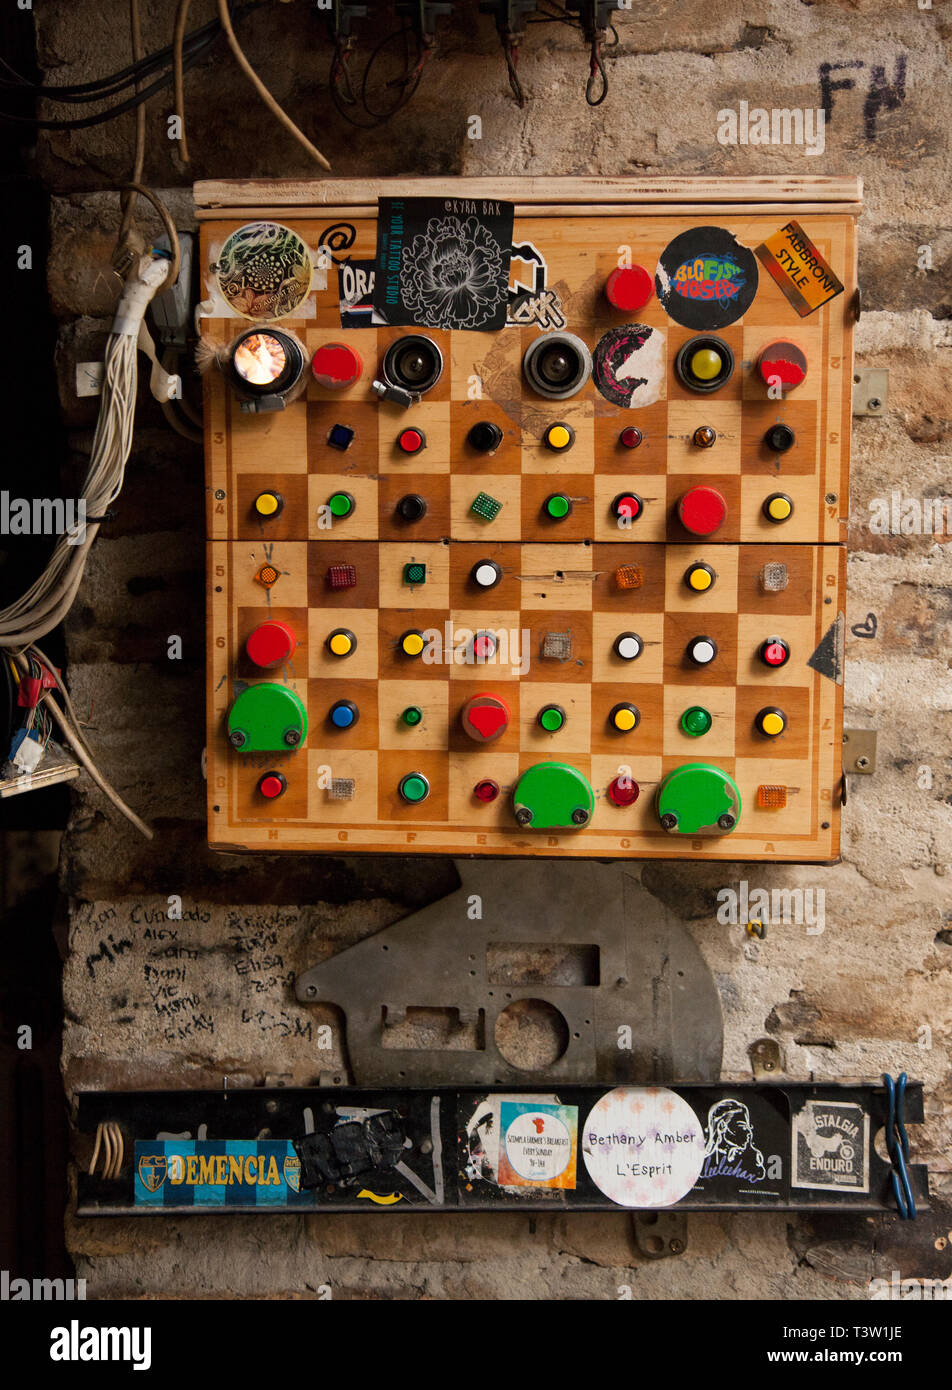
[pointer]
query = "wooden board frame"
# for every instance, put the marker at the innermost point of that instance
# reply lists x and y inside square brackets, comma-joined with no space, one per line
[236,823]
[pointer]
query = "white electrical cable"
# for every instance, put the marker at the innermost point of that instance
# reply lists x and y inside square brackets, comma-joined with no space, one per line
[47,602]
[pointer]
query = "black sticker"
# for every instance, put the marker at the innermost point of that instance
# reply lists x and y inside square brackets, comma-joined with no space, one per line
[828,656]
[355,281]
[628,365]
[831,1146]
[706,279]
[443,262]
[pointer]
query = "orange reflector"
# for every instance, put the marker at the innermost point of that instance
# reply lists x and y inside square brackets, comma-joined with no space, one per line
[267,575]
[629,577]
[771,798]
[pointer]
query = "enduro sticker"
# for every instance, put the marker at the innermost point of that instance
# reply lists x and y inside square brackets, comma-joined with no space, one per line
[706,279]
[791,259]
[831,1146]
[643,1147]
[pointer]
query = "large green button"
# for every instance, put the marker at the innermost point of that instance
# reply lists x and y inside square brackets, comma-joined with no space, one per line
[267,718]
[698,799]
[553,796]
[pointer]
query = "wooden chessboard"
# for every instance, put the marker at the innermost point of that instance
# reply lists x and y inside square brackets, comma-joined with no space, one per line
[559,605]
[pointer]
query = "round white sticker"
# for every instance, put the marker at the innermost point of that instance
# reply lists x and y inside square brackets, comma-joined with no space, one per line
[643,1147]
[538,1146]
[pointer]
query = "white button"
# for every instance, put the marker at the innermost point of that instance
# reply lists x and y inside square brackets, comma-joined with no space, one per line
[486,575]
[628,648]
[703,652]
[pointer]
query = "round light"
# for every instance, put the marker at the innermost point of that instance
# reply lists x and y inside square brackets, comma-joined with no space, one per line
[260,359]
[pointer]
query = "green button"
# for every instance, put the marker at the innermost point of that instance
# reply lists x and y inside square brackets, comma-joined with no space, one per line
[696,721]
[553,796]
[412,715]
[698,799]
[341,504]
[558,506]
[551,718]
[414,788]
[267,718]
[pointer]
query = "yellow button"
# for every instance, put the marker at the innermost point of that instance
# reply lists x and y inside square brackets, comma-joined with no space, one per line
[779,508]
[412,644]
[700,580]
[706,364]
[624,719]
[772,724]
[266,504]
[558,437]
[340,644]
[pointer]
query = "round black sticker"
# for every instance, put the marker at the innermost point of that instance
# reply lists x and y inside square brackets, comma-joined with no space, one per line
[705,278]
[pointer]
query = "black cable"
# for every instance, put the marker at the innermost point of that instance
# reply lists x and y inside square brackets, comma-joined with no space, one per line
[376,118]
[197,51]
[106,86]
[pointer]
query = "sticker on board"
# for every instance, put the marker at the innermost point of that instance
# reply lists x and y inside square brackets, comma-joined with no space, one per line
[628,365]
[831,1146]
[264,271]
[643,1147]
[791,259]
[706,279]
[538,1146]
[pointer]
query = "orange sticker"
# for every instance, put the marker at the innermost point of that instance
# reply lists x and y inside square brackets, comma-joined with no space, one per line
[791,258]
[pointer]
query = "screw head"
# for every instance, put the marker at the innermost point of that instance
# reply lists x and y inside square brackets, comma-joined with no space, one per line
[292,737]
[727,821]
[310,991]
[669,821]
[874,403]
[523,816]
[236,738]
[579,816]
[862,761]
[675,1246]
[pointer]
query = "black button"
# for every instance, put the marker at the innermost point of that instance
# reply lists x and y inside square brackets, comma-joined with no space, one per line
[779,438]
[485,436]
[412,507]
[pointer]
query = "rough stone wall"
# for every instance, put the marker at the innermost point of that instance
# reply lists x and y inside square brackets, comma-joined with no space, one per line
[869,993]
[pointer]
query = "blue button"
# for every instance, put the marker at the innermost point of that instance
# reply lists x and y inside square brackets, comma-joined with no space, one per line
[343,714]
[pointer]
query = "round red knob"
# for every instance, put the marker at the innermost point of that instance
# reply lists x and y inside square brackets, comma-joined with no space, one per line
[629,288]
[412,441]
[270,643]
[782,364]
[702,510]
[336,366]
[623,791]
[272,784]
[485,717]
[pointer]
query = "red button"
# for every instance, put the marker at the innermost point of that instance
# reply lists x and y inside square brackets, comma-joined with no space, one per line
[336,366]
[623,792]
[631,437]
[272,784]
[484,646]
[485,717]
[486,790]
[784,363]
[775,653]
[702,510]
[411,441]
[628,505]
[629,287]
[271,643]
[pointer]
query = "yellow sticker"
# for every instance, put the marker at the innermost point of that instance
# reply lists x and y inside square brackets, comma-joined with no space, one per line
[790,258]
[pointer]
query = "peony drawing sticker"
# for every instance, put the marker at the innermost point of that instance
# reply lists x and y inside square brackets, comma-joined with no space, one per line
[443,262]
[643,1146]
[264,271]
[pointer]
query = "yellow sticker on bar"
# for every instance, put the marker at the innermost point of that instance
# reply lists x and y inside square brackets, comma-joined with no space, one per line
[790,258]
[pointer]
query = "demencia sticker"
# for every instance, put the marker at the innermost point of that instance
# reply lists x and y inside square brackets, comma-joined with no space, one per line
[790,258]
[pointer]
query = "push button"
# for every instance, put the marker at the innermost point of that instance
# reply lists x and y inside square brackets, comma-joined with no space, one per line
[270,643]
[702,510]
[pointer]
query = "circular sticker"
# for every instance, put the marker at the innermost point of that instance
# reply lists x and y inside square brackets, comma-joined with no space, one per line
[705,278]
[628,365]
[643,1147]
[538,1146]
[264,271]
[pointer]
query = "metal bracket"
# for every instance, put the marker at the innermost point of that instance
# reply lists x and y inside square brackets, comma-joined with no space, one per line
[859,751]
[659,1234]
[766,1059]
[870,390]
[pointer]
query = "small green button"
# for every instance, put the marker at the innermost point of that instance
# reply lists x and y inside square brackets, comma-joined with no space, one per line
[341,504]
[558,506]
[696,721]
[412,715]
[551,717]
[414,788]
